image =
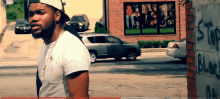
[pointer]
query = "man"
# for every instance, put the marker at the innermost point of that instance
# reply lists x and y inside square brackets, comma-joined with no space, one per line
[129,18]
[146,16]
[64,61]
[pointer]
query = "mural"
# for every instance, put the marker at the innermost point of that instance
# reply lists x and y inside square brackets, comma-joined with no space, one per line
[207,51]
[149,18]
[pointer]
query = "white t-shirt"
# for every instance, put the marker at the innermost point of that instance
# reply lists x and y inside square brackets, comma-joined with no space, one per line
[69,55]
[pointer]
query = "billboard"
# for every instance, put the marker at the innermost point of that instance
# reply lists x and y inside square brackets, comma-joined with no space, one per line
[149,18]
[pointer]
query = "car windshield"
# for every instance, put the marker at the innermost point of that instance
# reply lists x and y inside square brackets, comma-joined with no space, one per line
[22,22]
[77,18]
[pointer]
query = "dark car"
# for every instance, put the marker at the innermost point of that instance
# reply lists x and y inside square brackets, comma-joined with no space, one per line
[109,46]
[22,27]
[79,22]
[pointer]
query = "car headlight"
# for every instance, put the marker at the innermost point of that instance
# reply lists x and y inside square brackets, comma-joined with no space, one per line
[28,27]
[17,27]
[80,24]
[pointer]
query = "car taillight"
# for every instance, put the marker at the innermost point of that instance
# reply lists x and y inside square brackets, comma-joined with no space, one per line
[175,46]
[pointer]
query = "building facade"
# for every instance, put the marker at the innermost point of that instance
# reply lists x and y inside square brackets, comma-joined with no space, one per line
[135,20]
[3,18]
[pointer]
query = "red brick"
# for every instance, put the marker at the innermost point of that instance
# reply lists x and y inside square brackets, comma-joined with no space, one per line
[191,74]
[188,5]
[190,60]
[189,18]
[190,53]
[189,32]
[191,81]
[186,12]
[190,39]
[190,11]
[191,67]
[190,89]
[189,46]
[187,25]
[191,25]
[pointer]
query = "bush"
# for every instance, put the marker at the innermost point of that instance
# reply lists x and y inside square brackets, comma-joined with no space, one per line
[12,15]
[148,44]
[141,44]
[99,28]
[155,44]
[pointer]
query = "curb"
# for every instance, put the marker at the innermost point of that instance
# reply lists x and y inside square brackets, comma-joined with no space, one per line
[147,50]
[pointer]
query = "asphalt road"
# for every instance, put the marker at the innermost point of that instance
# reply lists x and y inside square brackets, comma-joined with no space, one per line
[18,80]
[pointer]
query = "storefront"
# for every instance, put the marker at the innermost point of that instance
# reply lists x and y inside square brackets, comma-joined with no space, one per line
[134,20]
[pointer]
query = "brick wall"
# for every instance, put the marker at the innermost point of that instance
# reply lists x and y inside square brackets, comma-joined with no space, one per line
[116,22]
[190,45]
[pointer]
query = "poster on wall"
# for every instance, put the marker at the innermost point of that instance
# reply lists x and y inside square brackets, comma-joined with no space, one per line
[149,18]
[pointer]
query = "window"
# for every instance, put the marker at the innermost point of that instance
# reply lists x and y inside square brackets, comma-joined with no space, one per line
[77,18]
[97,39]
[141,18]
[111,39]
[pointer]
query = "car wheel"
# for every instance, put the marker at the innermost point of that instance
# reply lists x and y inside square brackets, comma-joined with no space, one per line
[118,58]
[92,57]
[131,55]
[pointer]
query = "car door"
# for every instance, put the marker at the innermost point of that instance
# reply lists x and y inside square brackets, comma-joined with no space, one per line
[100,45]
[115,46]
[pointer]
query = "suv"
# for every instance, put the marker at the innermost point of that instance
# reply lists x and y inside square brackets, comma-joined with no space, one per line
[79,22]
[109,46]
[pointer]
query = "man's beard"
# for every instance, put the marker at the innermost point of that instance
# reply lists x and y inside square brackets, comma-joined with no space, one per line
[45,33]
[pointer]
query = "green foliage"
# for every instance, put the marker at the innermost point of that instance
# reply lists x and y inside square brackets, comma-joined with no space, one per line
[12,15]
[148,44]
[16,10]
[99,28]
[141,44]
[155,44]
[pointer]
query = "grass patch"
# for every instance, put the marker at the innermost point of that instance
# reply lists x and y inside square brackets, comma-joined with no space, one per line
[133,31]
[167,30]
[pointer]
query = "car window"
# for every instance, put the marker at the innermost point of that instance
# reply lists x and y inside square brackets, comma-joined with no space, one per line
[111,39]
[97,39]
[77,18]
[91,39]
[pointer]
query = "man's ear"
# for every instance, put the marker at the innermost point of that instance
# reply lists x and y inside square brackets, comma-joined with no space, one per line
[57,16]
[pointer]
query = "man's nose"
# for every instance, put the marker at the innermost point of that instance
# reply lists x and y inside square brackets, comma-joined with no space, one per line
[35,18]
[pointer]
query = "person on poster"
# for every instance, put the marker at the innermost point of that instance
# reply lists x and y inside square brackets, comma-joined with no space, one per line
[146,16]
[153,22]
[137,18]
[62,69]
[130,23]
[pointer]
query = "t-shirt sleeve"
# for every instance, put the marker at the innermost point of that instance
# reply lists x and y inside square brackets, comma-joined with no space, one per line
[75,58]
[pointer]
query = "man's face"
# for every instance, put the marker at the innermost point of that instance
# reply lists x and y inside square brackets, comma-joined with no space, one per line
[42,20]
[129,10]
[145,9]
[154,6]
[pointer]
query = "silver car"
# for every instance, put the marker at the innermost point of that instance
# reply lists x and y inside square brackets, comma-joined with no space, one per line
[109,46]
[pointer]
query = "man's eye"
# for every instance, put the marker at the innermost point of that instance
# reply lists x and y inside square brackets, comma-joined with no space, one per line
[40,12]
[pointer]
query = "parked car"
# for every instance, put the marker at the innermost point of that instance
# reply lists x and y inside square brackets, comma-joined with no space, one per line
[22,27]
[109,46]
[79,22]
[177,49]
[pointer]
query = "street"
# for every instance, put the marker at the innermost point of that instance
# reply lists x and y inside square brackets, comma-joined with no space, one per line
[153,74]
